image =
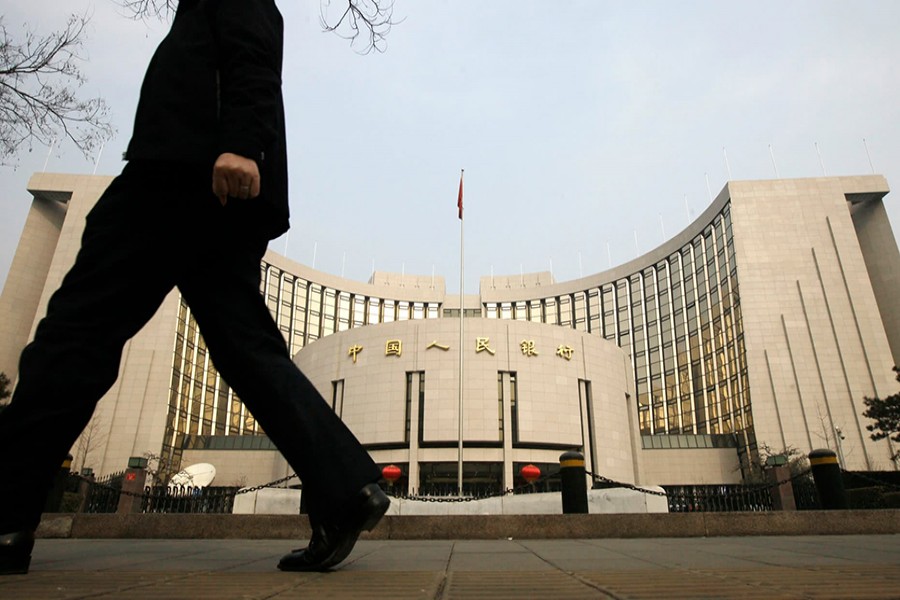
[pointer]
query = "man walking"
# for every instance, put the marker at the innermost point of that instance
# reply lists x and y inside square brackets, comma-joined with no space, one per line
[204,190]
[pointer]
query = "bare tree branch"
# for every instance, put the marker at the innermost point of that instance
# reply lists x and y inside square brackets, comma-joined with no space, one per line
[39,82]
[141,9]
[5,387]
[93,436]
[365,23]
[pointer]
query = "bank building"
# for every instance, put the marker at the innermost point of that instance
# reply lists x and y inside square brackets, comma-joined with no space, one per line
[762,325]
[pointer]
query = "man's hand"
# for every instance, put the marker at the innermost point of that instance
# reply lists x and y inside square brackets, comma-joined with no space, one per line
[235,176]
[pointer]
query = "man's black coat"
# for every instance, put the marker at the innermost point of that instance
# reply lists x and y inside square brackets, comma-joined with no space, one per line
[214,86]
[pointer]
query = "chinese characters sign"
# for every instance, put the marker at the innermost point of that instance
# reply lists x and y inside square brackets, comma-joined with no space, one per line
[393,348]
[528,348]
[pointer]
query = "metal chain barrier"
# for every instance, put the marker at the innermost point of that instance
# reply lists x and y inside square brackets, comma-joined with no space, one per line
[275,483]
[629,486]
[499,494]
[749,490]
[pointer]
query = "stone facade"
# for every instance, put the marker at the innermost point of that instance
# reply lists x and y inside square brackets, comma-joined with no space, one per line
[761,326]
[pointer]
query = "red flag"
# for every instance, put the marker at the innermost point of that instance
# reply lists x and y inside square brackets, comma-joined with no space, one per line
[459,200]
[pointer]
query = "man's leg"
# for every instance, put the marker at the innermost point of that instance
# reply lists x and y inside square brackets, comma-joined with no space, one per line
[114,287]
[248,350]
[251,354]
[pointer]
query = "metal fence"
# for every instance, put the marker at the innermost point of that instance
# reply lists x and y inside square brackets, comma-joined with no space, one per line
[742,497]
[806,497]
[718,498]
[102,496]
[188,499]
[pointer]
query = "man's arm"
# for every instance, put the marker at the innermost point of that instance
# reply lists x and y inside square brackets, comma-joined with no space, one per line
[236,176]
[250,39]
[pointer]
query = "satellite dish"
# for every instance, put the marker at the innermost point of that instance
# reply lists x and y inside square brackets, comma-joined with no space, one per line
[199,475]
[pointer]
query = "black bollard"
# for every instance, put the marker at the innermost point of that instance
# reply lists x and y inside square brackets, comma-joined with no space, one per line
[574,484]
[829,483]
[54,498]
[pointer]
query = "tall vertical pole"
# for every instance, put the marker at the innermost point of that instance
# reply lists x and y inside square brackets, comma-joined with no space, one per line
[97,161]
[869,156]
[462,287]
[774,164]
[49,153]
[821,162]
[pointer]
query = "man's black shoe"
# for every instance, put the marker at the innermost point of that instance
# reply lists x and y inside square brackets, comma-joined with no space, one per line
[15,552]
[331,543]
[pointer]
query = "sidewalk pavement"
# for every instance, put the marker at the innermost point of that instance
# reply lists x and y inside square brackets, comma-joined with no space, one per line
[766,567]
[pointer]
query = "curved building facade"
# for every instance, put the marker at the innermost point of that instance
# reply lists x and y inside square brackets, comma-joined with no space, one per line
[760,327]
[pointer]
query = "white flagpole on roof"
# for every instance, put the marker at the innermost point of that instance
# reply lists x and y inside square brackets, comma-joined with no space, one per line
[462,265]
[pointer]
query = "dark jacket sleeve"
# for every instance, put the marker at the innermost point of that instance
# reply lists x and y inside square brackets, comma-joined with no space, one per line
[250,39]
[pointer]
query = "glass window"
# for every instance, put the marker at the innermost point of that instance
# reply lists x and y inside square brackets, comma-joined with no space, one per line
[409,398]
[418,310]
[359,311]
[521,311]
[514,405]
[550,312]
[638,337]
[565,311]
[329,312]
[534,311]
[389,314]
[374,311]
[403,310]
[643,392]
[343,311]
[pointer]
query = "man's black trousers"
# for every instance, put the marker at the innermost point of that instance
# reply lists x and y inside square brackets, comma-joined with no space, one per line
[158,226]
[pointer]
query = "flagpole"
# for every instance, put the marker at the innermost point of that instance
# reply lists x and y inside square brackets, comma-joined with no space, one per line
[462,267]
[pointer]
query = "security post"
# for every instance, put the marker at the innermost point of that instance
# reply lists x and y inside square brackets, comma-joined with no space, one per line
[133,485]
[54,499]
[574,484]
[829,483]
[84,487]
[778,474]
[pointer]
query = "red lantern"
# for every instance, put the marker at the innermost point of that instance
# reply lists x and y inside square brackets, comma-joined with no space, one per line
[391,473]
[530,473]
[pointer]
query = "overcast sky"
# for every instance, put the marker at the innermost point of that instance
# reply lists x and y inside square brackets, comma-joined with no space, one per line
[582,125]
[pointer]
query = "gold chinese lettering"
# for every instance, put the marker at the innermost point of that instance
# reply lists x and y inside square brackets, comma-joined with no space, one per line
[393,348]
[527,347]
[565,352]
[354,350]
[482,345]
[435,344]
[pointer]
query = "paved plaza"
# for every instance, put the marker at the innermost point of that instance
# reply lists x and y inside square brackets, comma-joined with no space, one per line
[765,567]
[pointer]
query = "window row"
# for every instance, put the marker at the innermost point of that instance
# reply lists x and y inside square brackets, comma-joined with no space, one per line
[305,311]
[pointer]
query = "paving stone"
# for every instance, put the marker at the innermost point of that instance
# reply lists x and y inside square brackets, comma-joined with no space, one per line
[856,567]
